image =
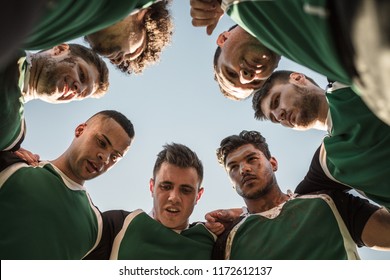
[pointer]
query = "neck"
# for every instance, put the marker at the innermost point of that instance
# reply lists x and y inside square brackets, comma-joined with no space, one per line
[266,202]
[323,112]
[62,164]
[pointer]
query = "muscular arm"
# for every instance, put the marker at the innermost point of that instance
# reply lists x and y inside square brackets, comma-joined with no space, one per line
[376,233]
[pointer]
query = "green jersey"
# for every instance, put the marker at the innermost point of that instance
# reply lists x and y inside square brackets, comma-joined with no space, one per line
[298,30]
[64,20]
[143,238]
[12,103]
[356,152]
[45,215]
[309,227]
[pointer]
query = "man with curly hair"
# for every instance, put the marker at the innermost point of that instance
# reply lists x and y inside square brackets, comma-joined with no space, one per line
[130,33]
[136,41]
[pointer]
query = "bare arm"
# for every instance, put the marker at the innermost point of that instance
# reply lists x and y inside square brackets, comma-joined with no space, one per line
[206,13]
[376,233]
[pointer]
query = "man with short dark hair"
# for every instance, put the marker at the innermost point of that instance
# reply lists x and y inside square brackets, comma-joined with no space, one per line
[45,211]
[165,233]
[323,225]
[357,141]
[242,63]
[347,41]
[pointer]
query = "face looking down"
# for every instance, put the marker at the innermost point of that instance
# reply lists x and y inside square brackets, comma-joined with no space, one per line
[175,192]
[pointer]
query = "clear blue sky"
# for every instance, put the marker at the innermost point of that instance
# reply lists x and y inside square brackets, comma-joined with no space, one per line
[175,101]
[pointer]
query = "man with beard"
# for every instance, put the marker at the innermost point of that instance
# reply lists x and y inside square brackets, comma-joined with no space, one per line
[338,39]
[274,225]
[58,75]
[357,141]
[46,211]
[131,33]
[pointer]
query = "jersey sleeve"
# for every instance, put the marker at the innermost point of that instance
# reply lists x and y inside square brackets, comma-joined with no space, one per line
[355,212]
[316,179]
[112,224]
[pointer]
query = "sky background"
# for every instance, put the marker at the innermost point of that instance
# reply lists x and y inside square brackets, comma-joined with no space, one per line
[176,100]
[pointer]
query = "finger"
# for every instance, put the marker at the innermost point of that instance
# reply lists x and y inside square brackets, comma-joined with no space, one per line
[216,228]
[27,157]
[203,14]
[20,155]
[210,28]
[203,4]
[209,217]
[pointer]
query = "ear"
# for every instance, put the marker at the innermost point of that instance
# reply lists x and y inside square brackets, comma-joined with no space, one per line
[60,49]
[141,14]
[298,79]
[200,193]
[222,38]
[151,186]
[274,164]
[79,129]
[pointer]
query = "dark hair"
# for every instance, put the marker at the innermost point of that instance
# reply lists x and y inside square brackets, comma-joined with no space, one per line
[181,156]
[92,58]
[233,142]
[217,54]
[277,77]
[159,29]
[121,119]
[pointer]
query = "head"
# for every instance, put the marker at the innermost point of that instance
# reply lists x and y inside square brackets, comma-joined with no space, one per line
[249,164]
[99,143]
[291,99]
[67,72]
[176,185]
[137,41]
[242,63]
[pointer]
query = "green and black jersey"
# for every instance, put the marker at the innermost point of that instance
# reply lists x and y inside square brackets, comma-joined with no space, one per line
[45,215]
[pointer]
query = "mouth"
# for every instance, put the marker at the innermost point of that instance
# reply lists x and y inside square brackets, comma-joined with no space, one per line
[172,210]
[93,168]
[67,93]
[248,179]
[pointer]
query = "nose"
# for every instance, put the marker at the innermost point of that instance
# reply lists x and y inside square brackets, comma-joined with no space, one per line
[246,76]
[279,114]
[104,157]
[118,59]
[244,168]
[78,87]
[174,196]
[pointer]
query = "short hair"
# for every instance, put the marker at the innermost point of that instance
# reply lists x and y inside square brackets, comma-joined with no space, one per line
[93,58]
[159,30]
[277,77]
[233,142]
[121,119]
[217,78]
[180,156]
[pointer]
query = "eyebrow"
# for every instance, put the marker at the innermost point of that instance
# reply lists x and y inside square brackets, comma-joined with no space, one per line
[246,156]
[225,77]
[109,143]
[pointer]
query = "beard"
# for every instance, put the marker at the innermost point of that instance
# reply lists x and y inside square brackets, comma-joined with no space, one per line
[309,105]
[49,77]
[258,192]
